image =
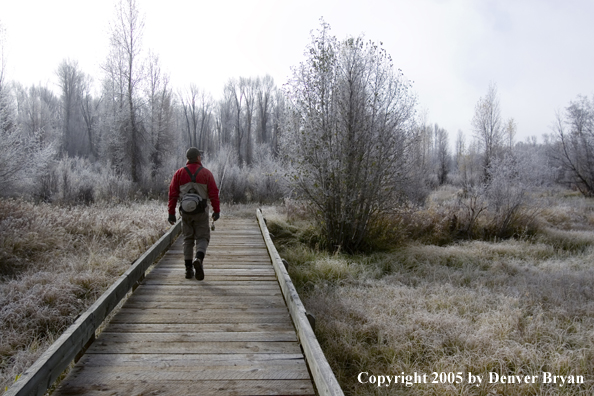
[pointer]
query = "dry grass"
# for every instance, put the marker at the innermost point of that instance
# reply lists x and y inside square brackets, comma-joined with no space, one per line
[514,307]
[55,261]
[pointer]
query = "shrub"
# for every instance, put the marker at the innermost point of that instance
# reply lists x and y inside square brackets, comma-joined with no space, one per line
[78,181]
[260,182]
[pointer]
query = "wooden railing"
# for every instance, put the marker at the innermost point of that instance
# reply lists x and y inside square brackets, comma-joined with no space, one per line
[323,377]
[41,375]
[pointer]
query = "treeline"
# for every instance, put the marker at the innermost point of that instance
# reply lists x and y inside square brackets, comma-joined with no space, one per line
[122,134]
[139,144]
[126,130]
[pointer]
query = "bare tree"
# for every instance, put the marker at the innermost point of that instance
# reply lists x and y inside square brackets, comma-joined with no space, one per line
[511,129]
[2,56]
[460,149]
[160,106]
[18,144]
[234,97]
[225,120]
[124,69]
[38,112]
[247,87]
[442,154]
[423,157]
[90,111]
[7,114]
[70,81]
[265,87]
[242,96]
[279,118]
[11,148]
[487,126]
[197,116]
[573,149]
[28,132]
[348,144]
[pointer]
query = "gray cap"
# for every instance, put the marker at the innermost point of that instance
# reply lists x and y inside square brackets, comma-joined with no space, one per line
[193,153]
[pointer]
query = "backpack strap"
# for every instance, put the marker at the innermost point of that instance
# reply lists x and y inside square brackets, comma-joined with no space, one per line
[193,176]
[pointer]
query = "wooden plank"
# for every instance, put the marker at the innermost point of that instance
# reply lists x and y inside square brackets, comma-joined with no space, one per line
[173,281]
[213,285]
[188,292]
[189,387]
[208,286]
[144,317]
[229,247]
[211,264]
[247,300]
[211,305]
[201,312]
[188,360]
[292,371]
[196,347]
[215,336]
[222,265]
[233,327]
[204,303]
[324,379]
[176,272]
[49,366]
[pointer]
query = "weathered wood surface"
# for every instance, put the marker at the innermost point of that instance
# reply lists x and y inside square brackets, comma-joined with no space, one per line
[323,377]
[230,334]
[50,365]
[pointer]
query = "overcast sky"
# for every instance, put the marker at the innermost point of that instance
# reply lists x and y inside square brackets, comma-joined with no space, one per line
[538,52]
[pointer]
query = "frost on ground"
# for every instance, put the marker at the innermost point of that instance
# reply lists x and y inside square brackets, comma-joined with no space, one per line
[55,261]
[514,307]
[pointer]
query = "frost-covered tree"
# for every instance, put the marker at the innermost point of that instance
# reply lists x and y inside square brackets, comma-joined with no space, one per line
[160,115]
[18,173]
[71,81]
[11,149]
[196,107]
[353,116]
[122,89]
[442,155]
[573,148]
[488,127]
[90,106]
[240,94]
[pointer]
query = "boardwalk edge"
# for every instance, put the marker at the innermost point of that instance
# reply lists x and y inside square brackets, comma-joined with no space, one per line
[38,378]
[323,377]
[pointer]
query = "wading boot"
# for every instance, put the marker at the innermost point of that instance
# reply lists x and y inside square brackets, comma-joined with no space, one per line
[198,265]
[189,270]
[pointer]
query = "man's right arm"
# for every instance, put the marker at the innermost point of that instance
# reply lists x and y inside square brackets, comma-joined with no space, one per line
[173,194]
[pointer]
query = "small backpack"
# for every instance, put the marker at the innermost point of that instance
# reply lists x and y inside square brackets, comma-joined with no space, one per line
[192,202]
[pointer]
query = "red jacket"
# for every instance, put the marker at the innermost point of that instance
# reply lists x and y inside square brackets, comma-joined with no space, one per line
[205,177]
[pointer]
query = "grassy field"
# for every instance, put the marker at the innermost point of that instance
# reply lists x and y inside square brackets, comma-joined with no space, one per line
[454,312]
[54,263]
[519,307]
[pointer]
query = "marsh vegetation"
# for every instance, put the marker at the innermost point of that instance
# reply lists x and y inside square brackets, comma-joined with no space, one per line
[519,306]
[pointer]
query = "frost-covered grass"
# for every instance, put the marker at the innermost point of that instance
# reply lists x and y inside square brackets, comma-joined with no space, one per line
[513,307]
[54,263]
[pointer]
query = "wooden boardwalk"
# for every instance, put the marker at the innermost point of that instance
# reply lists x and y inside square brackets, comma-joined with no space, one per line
[230,334]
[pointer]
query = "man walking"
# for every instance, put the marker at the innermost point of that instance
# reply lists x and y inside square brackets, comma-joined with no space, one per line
[192,186]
